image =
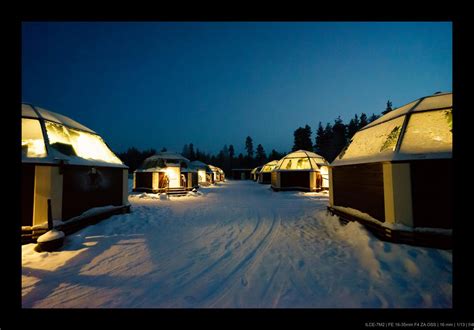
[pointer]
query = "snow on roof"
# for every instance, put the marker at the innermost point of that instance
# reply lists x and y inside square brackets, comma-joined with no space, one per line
[168,155]
[197,164]
[431,102]
[161,160]
[303,160]
[66,140]
[27,110]
[268,167]
[256,169]
[421,129]
[215,169]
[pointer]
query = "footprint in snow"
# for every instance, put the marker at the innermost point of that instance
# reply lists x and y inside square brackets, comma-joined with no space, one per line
[300,264]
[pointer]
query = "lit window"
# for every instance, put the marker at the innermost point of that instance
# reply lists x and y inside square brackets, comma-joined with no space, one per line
[428,132]
[377,139]
[296,164]
[74,142]
[32,141]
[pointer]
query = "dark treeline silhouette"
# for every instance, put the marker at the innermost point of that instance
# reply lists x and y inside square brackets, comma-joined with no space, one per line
[225,159]
[329,141]
[133,157]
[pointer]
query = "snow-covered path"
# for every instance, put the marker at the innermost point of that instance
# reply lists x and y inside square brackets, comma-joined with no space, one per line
[238,244]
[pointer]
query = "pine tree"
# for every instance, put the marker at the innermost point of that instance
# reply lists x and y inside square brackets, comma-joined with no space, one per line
[185,151]
[388,108]
[338,140]
[373,117]
[274,155]
[363,120]
[302,139]
[319,140]
[192,155]
[240,161]
[249,147]
[352,127]
[260,156]
[231,156]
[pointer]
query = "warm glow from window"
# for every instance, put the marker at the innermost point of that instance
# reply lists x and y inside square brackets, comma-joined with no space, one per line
[428,132]
[375,140]
[296,164]
[268,168]
[174,177]
[324,170]
[86,145]
[32,141]
[202,175]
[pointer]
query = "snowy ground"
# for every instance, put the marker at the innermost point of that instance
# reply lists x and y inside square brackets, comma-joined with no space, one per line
[238,244]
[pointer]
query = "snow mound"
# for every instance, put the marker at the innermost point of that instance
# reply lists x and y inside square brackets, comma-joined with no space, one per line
[51,235]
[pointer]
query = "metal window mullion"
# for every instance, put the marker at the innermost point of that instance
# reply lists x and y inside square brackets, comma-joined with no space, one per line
[43,130]
[404,126]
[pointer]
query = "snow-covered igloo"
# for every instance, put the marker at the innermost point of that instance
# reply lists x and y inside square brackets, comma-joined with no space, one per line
[254,173]
[265,174]
[167,172]
[71,166]
[395,175]
[301,170]
[204,172]
[217,174]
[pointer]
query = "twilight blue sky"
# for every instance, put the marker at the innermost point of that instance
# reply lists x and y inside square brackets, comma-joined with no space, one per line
[155,84]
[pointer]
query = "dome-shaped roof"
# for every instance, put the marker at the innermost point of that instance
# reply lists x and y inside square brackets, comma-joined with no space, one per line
[162,160]
[30,111]
[50,138]
[268,167]
[300,160]
[256,169]
[421,129]
[197,164]
[169,155]
[213,168]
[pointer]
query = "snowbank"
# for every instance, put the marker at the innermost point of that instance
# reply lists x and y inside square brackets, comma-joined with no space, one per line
[50,235]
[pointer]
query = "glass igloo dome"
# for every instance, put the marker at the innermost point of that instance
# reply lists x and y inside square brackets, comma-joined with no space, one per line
[300,160]
[421,129]
[48,137]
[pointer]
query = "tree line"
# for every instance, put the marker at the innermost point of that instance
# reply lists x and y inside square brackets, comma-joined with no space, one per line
[225,158]
[331,138]
[328,142]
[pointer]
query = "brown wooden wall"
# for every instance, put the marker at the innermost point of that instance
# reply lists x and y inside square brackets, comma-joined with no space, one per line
[360,187]
[266,177]
[27,193]
[432,193]
[144,180]
[295,179]
[83,190]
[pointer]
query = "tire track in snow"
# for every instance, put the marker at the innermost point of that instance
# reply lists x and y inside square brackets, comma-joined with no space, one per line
[206,276]
[246,265]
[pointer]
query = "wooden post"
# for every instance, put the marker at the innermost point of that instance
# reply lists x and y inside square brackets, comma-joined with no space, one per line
[50,215]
